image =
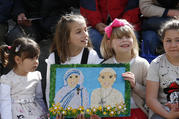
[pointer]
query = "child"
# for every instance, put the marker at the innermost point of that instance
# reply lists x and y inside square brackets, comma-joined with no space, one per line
[19,87]
[163,75]
[71,45]
[119,45]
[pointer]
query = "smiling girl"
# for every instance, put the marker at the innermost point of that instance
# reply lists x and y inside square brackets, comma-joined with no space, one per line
[119,45]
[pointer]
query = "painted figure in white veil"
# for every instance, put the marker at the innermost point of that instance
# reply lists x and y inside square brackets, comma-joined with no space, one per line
[73,93]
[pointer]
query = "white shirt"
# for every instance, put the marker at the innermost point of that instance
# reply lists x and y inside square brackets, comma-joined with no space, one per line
[92,59]
[163,72]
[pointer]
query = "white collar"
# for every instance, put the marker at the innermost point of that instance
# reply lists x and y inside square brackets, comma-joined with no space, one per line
[115,61]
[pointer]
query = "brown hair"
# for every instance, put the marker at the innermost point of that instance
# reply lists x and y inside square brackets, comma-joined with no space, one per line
[172,24]
[62,36]
[22,47]
[118,32]
[4,53]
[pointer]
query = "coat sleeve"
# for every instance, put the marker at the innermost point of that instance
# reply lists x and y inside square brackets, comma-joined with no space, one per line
[5,10]
[5,102]
[89,9]
[149,8]
[132,13]
[141,87]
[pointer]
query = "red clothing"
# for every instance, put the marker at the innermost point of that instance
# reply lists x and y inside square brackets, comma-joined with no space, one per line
[98,10]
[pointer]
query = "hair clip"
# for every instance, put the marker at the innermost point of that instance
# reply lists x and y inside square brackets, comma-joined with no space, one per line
[17,48]
[9,47]
[115,23]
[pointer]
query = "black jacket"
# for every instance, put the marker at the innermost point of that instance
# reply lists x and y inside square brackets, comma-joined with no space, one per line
[169,4]
[43,8]
[31,8]
[5,10]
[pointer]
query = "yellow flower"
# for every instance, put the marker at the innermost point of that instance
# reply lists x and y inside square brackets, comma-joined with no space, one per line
[60,108]
[104,113]
[51,109]
[82,112]
[54,113]
[100,108]
[58,104]
[88,111]
[58,112]
[91,113]
[74,111]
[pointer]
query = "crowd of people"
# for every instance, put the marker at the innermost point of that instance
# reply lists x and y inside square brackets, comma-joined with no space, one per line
[143,33]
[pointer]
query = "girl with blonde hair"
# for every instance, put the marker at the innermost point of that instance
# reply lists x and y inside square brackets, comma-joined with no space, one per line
[119,45]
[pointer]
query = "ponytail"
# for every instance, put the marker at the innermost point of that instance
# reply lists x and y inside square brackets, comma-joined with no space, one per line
[4,58]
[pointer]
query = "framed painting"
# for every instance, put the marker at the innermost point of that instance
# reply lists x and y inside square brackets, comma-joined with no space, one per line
[89,89]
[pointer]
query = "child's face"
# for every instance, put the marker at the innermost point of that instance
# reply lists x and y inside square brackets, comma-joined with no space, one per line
[123,44]
[171,43]
[27,65]
[107,79]
[78,35]
[73,80]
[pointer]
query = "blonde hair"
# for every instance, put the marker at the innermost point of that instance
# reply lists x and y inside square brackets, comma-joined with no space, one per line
[118,32]
[62,36]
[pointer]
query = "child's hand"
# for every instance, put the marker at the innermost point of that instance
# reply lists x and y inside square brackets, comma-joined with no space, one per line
[173,106]
[80,116]
[48,116]
[60,116]
[100,27]
[173,115]
[130,77]
[22,20]
[95,117]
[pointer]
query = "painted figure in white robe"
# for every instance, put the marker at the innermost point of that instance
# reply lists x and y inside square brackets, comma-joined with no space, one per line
[73,93]
[106,95]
